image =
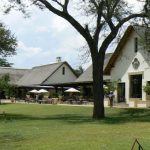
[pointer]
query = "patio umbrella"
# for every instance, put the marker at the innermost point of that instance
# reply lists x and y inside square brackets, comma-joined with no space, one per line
[105,87]
[42,91]
[73,90]
[34,91]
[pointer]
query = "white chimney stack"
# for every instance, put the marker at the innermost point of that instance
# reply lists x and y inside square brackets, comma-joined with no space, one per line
[58,59]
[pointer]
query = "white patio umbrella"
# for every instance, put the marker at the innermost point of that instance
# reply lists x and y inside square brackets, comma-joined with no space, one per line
[105,87]
[73,90]
[42,91]
[34,91]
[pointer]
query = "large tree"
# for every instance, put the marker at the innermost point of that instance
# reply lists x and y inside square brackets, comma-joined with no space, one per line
[8,45]
[100,16]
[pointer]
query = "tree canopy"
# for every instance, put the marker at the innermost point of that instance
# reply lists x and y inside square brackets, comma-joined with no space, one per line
[79,71]
[100,25]
[8,44]
[5,63]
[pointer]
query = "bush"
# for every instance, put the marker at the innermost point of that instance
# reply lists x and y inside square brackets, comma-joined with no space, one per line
[112,86]
[55,95]
[147,89]
[5,86]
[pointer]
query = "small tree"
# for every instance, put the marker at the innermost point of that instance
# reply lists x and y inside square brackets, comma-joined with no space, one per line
[6,87]
[112,86]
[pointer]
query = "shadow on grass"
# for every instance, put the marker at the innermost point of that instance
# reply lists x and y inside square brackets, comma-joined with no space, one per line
[128,115]
[115,116]
[5,103]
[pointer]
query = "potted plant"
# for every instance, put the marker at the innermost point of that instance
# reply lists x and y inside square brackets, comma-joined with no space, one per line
[147,91]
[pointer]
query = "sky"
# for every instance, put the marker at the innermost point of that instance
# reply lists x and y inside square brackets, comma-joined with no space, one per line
[43,37]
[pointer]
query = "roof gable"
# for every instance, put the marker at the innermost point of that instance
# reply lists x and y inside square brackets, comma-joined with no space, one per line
[140,31]
[38,75]
[15,74]
[118,50]
[59,78]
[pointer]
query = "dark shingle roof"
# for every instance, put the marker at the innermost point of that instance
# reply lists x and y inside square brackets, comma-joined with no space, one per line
[15,74]
[87,75]
[39,74]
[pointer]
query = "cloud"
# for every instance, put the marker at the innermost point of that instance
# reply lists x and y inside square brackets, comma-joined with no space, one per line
[59,24]
[41,29]
[29,56]
[28,51]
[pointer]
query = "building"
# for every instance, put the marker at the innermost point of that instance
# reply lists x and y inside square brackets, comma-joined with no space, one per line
[51,76]
[48,75]
[129,66]
[14,74]
[85,80]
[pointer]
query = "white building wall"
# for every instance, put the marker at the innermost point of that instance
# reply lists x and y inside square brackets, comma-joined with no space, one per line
[58,77]
[123,67]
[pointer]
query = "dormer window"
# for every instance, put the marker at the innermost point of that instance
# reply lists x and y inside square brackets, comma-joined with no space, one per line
[135,45]
[63,70]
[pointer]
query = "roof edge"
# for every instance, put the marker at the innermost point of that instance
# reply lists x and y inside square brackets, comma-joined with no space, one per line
[58,68]
[118,50]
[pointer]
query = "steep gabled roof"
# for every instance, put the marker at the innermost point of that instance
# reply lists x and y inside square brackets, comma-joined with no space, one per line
[87,75]
[15,74]
[39,74]
[118,50]
[140,30]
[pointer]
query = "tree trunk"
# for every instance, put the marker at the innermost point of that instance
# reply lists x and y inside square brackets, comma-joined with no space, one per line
[98,91]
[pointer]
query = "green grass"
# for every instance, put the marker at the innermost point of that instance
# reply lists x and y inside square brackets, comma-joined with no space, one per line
[52,127]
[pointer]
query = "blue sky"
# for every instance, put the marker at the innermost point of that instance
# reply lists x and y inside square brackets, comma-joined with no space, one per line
[43,37]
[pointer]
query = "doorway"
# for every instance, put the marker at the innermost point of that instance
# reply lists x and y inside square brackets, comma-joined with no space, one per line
[121,92]
[136,86]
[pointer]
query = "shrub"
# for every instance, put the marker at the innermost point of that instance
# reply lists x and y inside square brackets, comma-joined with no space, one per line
[147,89]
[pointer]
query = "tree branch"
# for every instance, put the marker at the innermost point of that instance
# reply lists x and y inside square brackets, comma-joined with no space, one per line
[60,4]
[65,5]
[108,15]
[131,17]
[99,25]
[108,39]
[95,4]
[85,33]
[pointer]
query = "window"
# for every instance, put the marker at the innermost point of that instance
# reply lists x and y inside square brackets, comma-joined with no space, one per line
[136,44]
[136,86]
[63,70]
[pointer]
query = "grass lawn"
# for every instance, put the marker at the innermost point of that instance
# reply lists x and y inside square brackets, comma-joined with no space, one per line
[52,127]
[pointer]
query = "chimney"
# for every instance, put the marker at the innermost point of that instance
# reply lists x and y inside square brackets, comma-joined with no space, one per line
[58,59]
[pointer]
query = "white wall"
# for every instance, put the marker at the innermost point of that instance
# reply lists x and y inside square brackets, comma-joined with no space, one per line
[58,77]
[123,67]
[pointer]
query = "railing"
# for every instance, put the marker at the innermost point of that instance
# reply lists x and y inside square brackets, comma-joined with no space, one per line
[139,145]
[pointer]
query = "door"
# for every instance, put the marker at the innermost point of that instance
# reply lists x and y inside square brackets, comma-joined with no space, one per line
[121,92]
[136,86]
